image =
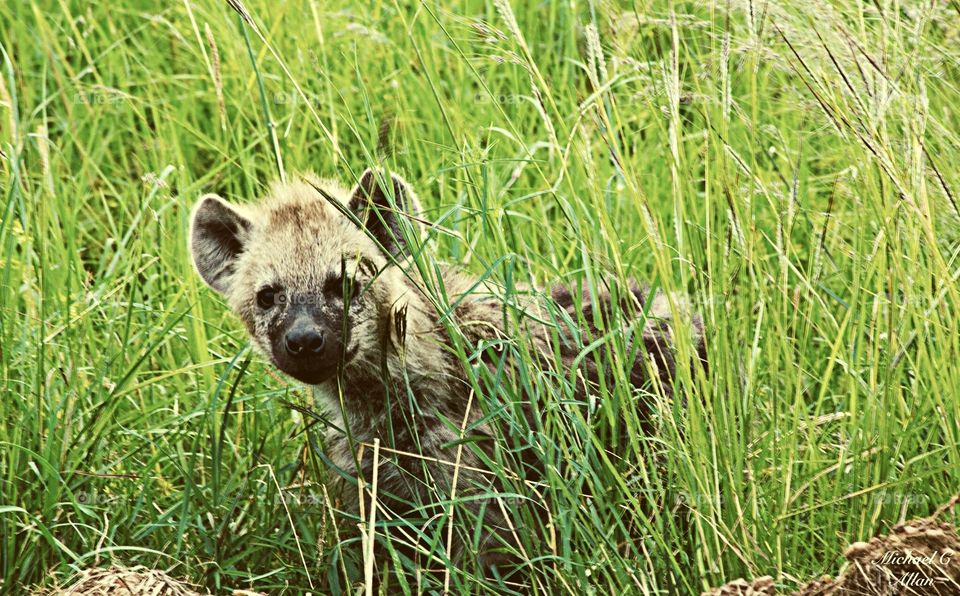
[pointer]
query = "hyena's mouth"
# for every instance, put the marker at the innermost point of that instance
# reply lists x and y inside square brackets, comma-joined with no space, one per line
[318,370]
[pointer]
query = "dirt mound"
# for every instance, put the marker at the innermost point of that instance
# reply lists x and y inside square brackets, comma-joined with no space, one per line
[123,581]
[918,557]
[128,581]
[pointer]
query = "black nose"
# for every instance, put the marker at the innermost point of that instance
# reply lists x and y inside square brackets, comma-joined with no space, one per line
[304,341]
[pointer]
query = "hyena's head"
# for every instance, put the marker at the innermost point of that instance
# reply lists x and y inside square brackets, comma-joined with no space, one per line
[309,269]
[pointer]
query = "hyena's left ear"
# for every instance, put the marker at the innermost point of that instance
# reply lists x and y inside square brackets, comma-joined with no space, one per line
[218,232]
[382,211]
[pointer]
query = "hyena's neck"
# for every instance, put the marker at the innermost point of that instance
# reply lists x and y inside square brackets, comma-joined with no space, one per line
[413,378]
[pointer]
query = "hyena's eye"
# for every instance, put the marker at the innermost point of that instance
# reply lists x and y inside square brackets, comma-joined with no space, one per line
[340,285]
[267,297]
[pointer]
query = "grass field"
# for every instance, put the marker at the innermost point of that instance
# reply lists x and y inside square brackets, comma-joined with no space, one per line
[792,166]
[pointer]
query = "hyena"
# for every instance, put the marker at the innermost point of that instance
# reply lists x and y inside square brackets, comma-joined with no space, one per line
[322,279]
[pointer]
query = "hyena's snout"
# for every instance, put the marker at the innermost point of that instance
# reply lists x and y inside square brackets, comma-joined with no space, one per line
[305,340]
[310,347]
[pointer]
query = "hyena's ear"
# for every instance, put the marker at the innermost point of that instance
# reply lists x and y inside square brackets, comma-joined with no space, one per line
[381,211]
[218,232]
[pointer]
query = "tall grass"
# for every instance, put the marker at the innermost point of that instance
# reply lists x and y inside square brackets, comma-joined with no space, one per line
[792,166]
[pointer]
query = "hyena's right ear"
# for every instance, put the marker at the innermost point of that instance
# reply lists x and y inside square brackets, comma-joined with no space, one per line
[218,232]
[381,211]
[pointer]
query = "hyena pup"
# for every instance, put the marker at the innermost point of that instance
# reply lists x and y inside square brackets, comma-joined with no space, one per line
[321,276]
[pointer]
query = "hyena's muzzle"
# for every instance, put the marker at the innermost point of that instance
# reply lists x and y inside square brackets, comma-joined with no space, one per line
[309,343]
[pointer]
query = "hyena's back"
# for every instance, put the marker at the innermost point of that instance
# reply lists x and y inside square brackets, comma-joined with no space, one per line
[647,315]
